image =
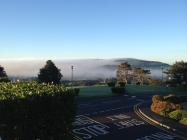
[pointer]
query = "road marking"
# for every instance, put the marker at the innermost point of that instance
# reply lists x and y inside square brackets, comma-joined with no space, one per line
[87,128]
[158,136]
[136,110]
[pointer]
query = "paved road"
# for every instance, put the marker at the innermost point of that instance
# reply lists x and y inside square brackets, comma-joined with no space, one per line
[114,118]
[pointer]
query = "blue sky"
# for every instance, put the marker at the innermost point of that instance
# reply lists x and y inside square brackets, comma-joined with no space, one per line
[76,29]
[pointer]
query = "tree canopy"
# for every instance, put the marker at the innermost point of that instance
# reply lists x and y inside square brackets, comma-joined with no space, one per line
[140,75]
[123,72]
[178,73]
[50,73]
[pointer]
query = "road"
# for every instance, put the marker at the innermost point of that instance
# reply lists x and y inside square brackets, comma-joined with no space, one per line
[113,118]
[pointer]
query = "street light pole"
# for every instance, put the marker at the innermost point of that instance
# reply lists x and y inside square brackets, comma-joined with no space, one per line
[162,74]
[72,68]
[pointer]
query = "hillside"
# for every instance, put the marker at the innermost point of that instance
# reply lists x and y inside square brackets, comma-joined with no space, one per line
[138,63]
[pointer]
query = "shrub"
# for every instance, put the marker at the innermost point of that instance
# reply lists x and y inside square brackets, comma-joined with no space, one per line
[183,99]
[118,90]
[178,114]
[165,112]
[159,105]
[157,98]
[122,84]
[76,90]
[4,79]
[184,121]
[111,84]
[172,98]
[36,111]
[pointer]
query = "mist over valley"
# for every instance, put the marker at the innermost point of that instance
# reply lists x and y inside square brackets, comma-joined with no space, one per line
[84,69]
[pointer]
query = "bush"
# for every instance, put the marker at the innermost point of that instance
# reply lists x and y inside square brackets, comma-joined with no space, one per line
[172,99]
[111,84]
[178,114]
[183,99]
[157,98]
[165,112]
[159,105]
[122,84]
[4,79]
[184,121]
[118,90]
[36,111]
[76,90]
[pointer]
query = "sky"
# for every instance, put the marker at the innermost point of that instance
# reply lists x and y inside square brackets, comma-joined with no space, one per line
[80,29]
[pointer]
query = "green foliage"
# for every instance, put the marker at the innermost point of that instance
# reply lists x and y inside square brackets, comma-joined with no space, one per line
[33,110]
[178,73]
[122,84]
[77,91]
[140,76]
[4,79]
[178,114]
[50,73]
[165,112]
[118,90]
[184,121]
[172,99]
[3,75]
[111,84]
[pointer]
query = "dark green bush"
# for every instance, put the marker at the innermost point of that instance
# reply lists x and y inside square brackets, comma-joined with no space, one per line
[183,99]
[76,90]
[27,115]
[165,112]
[118,90]
[172,99]
[122,84]
[111,84]
[4,79]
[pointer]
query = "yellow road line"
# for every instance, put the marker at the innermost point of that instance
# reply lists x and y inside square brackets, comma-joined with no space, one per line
[153,123]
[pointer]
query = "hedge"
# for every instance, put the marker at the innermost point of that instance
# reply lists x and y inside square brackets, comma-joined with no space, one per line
[33,111]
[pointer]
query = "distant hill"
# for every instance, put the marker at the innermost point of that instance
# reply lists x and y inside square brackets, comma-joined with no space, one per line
[85,69]
[137,63]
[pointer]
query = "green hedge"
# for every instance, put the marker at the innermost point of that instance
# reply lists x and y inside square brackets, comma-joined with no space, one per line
[36,111]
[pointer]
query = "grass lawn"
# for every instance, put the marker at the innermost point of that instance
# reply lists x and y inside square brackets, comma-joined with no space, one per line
[95,91]
[105,91]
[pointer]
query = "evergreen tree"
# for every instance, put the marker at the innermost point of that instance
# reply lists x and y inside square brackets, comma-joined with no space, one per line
[3,75]
[178,73]
[50,73]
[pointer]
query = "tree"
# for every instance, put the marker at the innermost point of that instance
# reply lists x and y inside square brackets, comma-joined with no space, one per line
[140,75]
[178,73]
[3,75]
[123,72]
[50,73]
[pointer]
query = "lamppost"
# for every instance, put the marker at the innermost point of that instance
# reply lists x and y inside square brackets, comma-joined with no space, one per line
[72,68]
[162,74]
